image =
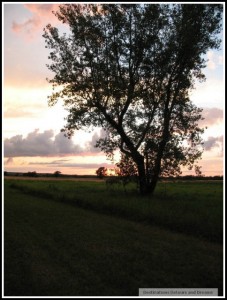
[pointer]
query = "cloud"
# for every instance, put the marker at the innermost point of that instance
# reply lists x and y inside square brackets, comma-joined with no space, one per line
[213,60]
[213,142]
[62,164]
[211,64]
[45,144]
[220,59]
[211,116]
[54,162]
[209,93]
[17,111]
[9,161]
[41,15]
[90,146]
[28,26]
[41,9]
[87,166]
[64,145]
[35,144]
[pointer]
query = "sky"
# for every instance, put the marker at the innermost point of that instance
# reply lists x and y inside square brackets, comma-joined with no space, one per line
[32,140]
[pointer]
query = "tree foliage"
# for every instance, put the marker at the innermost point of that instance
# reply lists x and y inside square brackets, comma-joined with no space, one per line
[126,167]
[101,172]
[129,68]
[57,173]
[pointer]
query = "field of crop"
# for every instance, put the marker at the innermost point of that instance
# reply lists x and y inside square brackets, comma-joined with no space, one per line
[75,238]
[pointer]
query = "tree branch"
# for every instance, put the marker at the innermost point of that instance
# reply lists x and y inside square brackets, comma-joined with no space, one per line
[146,128]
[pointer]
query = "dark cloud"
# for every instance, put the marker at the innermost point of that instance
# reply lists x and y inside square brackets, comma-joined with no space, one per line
[35,144]
[86,166]
[90,146]
[64,145]
[46,144]
[60,161]
[211,116]
[54,162]
[213,142]
[62,164]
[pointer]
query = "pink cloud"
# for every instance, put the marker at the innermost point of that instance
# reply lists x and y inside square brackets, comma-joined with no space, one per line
[9,161]
[211,116]
[42,14]
[43,10]
[27,25]
[40,8]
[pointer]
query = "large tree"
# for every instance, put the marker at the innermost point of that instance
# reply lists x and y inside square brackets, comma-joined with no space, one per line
[129,68]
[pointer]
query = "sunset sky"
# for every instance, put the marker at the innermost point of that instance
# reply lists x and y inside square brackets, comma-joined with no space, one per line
[31,129]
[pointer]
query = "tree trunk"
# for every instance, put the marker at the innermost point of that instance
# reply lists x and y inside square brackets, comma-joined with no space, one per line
[153,183]
[144,185]
[147,185]
[147,188]
[142,174]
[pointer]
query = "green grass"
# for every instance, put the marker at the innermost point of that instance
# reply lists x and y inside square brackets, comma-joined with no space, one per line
[195,208]
[56,249]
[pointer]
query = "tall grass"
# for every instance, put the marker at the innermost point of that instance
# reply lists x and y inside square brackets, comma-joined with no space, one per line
[190,207]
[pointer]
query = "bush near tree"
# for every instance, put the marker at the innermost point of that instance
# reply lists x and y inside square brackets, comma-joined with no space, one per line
[101,172]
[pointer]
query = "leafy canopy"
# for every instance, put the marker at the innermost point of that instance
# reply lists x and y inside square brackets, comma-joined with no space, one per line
[129,68]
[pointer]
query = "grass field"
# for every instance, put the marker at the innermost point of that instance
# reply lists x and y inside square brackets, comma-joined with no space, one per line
[118,244]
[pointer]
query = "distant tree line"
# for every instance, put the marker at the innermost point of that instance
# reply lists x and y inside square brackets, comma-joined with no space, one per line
[31,174]
[128,170]
[102,173]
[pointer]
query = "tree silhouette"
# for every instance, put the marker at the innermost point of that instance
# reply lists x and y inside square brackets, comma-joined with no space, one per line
[127,167]
[57,173]
[101,172]
[129,68]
